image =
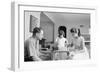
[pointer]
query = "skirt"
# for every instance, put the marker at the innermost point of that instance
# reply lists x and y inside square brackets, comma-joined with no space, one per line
[81,56]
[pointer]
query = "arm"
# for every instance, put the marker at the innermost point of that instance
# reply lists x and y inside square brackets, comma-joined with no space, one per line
[56,42]
[82,45]
[71,46]
[66,43]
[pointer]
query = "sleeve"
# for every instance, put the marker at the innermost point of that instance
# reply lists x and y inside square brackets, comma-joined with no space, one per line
[33,51]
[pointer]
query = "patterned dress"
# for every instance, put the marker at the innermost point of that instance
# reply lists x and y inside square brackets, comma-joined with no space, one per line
[81,52]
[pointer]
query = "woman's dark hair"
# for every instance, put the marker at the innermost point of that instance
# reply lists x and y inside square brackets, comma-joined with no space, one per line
[36,30]
[74,30]
[79,33]
[61,32]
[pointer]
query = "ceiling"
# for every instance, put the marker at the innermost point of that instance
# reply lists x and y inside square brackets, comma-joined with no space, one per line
[69,18]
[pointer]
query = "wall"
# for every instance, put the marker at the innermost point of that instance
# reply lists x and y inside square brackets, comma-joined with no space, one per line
[69,20]
[50,22]
[27,22]
[47,26]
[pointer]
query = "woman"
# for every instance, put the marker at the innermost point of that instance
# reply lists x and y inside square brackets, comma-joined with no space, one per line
[78,47]
[61,44]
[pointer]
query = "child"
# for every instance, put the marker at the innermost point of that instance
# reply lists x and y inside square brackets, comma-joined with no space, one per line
[79,49]
[61,43]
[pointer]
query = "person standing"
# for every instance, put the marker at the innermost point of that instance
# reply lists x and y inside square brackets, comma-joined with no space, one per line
[61,44]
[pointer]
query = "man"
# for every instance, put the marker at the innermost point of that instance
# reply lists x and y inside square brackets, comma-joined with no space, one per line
[31,45]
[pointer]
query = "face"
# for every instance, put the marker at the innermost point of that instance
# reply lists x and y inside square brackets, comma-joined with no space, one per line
[74,34]
[61,36]
[39,35]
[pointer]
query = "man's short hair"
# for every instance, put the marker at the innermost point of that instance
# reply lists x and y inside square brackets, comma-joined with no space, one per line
[36,30]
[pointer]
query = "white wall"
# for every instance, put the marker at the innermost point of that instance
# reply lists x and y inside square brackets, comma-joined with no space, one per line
[27,22]
[69,20]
